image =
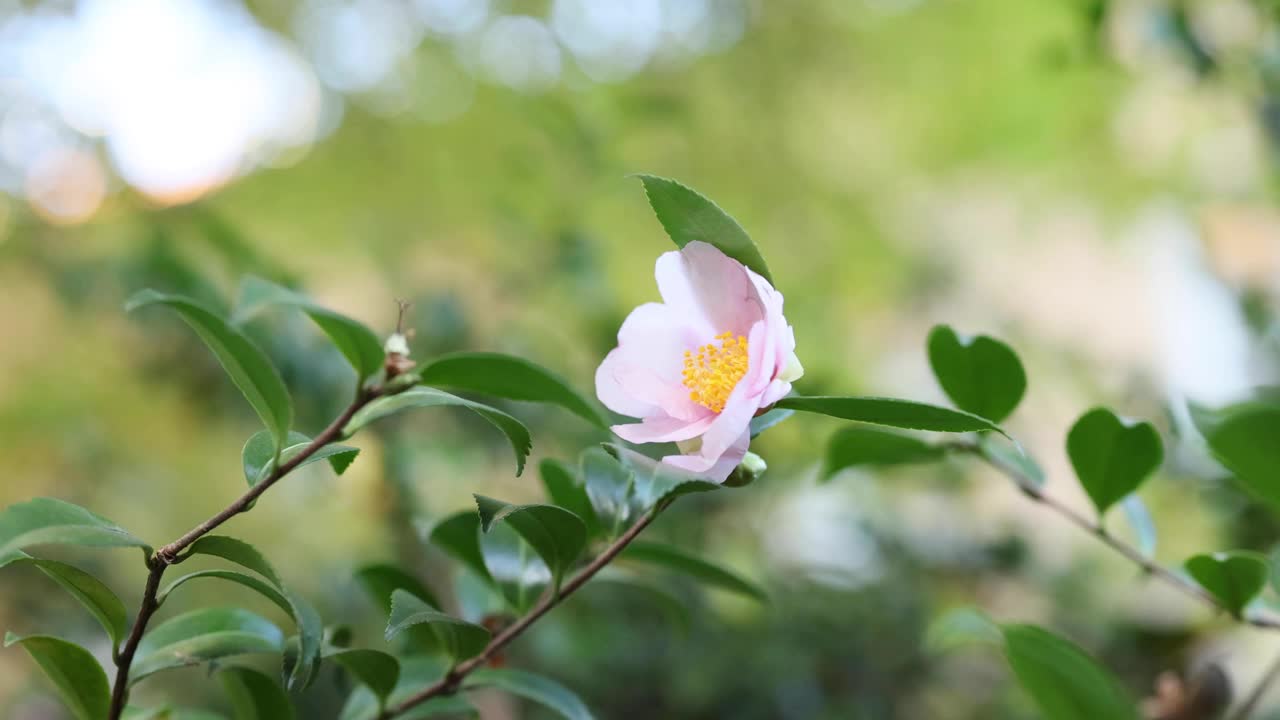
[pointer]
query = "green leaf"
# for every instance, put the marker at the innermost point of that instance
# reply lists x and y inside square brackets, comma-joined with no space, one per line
[509,377]
[255,696]
[545,692]
[1245,438]
[655,482]
[1112,457]
[416,672]
[459,536]
[565,490]
[518,572]
[906,414]
[678,560]
[609,485]
[1144,528]
[80,680]
[422,397]
[305,618]
[247,365]
[857,445]
[689,217]
[981,375]
[261,586]
[356,342]
[47,521]
[760,423]
[1064,681]
[1234,578]
[959,627]
[374,669]
[380,582]
[258,456]
[202,635]
[459,638]
[96,597]
[1010,457]
[673,607]
[557,535]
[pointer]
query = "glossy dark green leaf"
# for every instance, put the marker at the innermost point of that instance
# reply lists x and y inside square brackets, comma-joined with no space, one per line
[1064,681]
[459,536]
[237,551]
[203,635]
[47,521]
[258,455]
[609,485]
[655,482]
[544,691]
[760,423]
[356,342]
[566,490]
[263,587]
[95,596]
[1245,438]
[556,534]
[507,376]
[673,558]
[905,414]
[1112,457]
[416,672]
[518,572]
[981,375]
[422,397]
[856,445]
[1234,578]
[247,365]
[255,696]
[80,680]
[459,638]
[380,581]
[374,669]
[689,217]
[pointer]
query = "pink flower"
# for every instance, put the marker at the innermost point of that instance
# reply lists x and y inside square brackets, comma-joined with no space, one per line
[698,366]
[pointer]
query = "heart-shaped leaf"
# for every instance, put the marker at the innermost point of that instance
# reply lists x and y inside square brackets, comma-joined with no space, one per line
[202,635]
[374,669]
[459,536]
[47,521]
[380,582]
[548,693]
[509,377]
[356,342]
[80,680]
[564,489]
[906,414]
[1064,681]
[459,638]
[1245,438]
[1234,578]
[852,446]
[247,365]
[95,596]
[556,534]
[981,375]
[1112,457]
[258,455]
[422,397]
[687,217]
[255,696]
[307,621]
[678,560]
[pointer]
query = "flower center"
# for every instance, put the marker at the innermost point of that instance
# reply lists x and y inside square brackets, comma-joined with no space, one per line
[712,372]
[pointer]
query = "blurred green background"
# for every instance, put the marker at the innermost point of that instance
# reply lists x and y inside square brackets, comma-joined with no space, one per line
[1092,181]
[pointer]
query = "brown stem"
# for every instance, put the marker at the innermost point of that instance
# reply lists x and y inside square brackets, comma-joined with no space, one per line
[1095,528]
[169,554]
[452,680]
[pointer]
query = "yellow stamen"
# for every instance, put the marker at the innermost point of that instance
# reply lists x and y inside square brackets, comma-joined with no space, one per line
[713,372]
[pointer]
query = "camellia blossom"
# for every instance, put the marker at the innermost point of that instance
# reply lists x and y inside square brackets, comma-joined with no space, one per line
[696,367]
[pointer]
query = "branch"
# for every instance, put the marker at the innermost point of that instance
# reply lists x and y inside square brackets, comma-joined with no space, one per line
[170,554]
[452,681]
[1095,528]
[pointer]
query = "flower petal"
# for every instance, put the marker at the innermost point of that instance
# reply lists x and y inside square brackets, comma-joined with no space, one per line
[709,288]
[663,429]
[718,469]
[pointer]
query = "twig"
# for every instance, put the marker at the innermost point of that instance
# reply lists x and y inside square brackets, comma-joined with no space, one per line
[452,681]
[1094,527]
[170,554]
[1255,696]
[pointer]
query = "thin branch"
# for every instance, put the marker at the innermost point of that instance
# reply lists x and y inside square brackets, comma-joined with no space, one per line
[1255,696]
[1032,490]
[452,681]
[170,554]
